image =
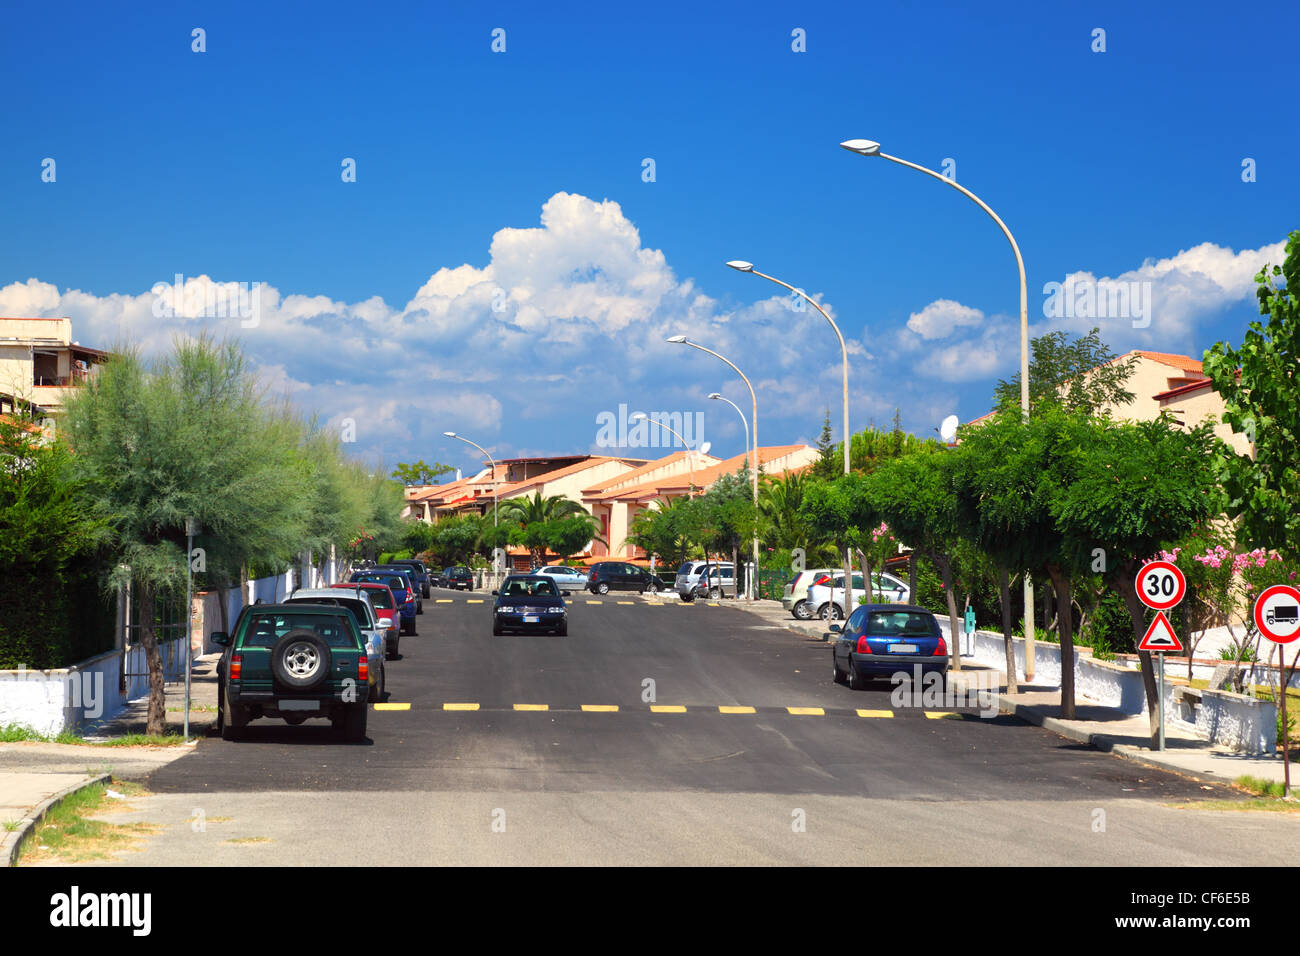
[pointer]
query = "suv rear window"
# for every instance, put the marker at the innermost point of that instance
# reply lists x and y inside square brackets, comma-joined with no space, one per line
[352,604]
[263,630]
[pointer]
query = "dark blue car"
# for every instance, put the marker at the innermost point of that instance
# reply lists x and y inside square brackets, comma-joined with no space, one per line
[402,590]
[879,640]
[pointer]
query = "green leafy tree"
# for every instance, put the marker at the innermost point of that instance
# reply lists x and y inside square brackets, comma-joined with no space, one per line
[1260,388]
[1136,488]
[533,515]
[663,531]
[1079,375]
[189,436]
[828,463]
[420,472]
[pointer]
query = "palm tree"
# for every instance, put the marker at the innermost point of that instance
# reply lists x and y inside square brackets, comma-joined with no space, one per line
[538,512]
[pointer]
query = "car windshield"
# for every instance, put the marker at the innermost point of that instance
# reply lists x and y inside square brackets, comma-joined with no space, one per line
[529,587]
[900,624]
[394,582]
[380,598]
[263,630]
[353,605]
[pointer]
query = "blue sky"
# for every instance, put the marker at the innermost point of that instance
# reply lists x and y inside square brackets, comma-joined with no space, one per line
[1118,164]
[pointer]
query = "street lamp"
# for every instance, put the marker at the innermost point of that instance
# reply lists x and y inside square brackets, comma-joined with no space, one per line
[741,265]
[495,504]
[690,460]
[718,396]
[867,147]
[683,340]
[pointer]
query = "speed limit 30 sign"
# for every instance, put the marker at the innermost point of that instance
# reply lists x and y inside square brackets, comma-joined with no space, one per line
[1160,585]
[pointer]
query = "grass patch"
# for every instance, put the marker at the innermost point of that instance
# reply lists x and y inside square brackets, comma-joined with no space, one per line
[69,833]
[1266,804]
[11,825]
[1259,787]
[15,733]
[194,709]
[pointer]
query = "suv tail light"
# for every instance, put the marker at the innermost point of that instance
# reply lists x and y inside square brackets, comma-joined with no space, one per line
[863,646]
[941,649]
[236,666]
[363,668]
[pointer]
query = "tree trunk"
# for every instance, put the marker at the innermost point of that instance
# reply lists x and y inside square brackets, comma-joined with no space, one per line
[866,576]
[223,598]
[156,723]
[911,576]
[848,581]
[1121,581]
[1004,589]
[1065,630]
[945,570]
[735,572]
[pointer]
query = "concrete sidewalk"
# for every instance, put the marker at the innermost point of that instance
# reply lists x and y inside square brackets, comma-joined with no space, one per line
[1097,726]
[133,719]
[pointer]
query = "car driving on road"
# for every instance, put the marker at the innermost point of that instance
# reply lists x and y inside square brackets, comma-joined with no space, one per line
[458,577]
[529,602]
[880,640]
[294,661]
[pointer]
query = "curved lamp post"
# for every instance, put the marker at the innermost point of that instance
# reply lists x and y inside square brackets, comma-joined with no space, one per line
[690,453]
[683,340]
[718,396]
[494,470]
[867,147]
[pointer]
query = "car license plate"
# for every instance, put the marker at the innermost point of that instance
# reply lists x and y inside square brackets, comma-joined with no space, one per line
[531,619]
[902,648]
[299,705]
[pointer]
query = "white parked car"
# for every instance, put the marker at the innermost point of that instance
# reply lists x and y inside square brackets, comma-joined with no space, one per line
[886,589]
[565,578]
[795,596]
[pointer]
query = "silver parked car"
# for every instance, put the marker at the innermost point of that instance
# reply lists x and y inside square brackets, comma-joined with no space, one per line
[565,578]
[690,578]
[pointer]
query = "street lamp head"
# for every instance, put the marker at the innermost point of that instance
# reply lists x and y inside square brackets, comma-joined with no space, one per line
[676,339]
[636,416]
[740,265]
[450,434]
[715,395]
[863,147]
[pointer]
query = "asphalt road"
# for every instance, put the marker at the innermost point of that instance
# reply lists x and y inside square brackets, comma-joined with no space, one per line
[465,774]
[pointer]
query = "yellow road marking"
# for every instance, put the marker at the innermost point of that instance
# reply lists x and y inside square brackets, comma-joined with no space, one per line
[460,706]
[667,709]
[600,708]
[392,706]
[595,602]
[875,713]
[627,602]
[713,604]
[806,711]
[940,714]
[443,601]
[735,710]
[532,706]
[473,600]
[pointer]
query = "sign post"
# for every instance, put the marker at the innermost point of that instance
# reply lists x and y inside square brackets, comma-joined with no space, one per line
[1160,586]
[1277,616]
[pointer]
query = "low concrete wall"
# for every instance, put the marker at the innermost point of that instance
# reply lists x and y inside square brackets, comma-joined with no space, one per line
[67,698]
[1111,685]
[1242,724]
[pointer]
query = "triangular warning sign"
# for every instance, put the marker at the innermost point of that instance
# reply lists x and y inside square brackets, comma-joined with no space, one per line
[1160,636]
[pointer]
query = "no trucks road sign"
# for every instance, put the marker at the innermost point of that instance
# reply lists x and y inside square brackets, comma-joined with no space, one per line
[1277,613]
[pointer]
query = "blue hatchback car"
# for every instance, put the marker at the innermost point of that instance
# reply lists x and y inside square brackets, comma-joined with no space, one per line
[879,640]
[400,585]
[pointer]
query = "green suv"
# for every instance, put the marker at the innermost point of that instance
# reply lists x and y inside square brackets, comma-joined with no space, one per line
[294,661]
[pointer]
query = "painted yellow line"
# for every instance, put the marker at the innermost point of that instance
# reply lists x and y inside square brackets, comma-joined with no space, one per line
[392,706]
[875,713]
[627,602]
[806,711]
[595,602]
[600,708]
[667,709]
[443,601]
[713,604]
[532,706]
[735,710]
[473,600]
[941,714]
[460,706]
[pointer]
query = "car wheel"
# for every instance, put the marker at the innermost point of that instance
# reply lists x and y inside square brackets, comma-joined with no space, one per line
[715,593]
[233,719]
[830,611]
[651,587]
[856,679]
[563,629]
[838,675]
[602,588]
[688,597]
[377,691]
[300,659]
[352,725]
[801,611]
[496,630]
[295,720]
[425,591]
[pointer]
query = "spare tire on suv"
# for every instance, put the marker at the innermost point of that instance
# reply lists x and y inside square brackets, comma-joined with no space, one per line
[300,659]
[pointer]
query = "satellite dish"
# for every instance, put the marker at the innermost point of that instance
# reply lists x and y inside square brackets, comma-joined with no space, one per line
[948,430]
[704,449]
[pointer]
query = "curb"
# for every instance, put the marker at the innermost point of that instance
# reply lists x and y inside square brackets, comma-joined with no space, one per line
[13,841]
